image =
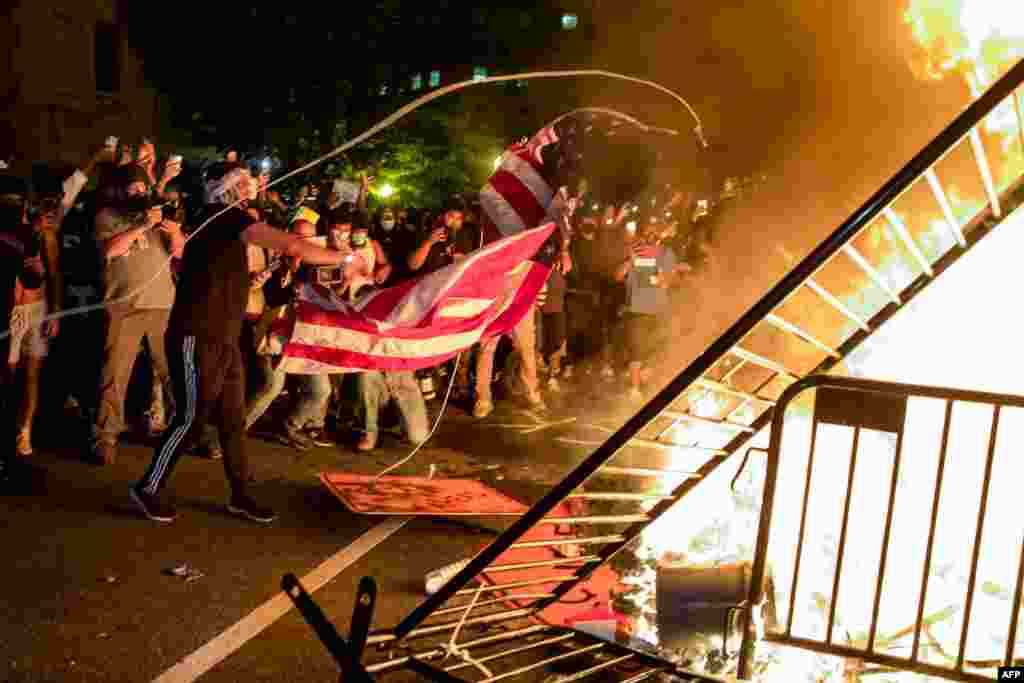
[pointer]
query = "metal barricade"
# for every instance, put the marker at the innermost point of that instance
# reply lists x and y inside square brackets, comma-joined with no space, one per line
[861,405]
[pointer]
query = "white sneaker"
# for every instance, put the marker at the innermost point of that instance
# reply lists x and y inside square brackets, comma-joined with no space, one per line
[439,577]
[482,408]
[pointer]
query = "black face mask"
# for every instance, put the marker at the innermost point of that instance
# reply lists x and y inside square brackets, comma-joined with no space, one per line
[10,217]
[137,204]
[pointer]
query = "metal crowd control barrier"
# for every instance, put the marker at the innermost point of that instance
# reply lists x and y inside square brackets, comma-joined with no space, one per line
[879,406]
[708,373]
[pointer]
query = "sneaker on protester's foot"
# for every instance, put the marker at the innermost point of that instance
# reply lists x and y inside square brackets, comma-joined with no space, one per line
[214,452]
[246,507]
[151,507]
[368,442]
[535,400]
[320,437]
[23,444]
[296,439]
[104,453]
[483,407]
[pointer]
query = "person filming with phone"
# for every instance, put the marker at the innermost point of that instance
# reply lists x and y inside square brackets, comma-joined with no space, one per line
[448,241]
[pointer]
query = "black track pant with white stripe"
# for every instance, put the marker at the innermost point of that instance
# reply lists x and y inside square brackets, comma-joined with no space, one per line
[209,387]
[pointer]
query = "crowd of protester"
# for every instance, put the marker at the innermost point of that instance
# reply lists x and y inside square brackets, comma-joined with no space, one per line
[166,351]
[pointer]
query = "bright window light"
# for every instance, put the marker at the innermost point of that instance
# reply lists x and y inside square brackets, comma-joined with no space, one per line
[417,82]
[479,73]
[570,21]
[435,79]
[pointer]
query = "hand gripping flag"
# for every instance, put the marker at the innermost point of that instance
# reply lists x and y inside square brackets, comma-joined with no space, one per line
[425,321]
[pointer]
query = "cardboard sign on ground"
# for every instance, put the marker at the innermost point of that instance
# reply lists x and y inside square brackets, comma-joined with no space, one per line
[418,496]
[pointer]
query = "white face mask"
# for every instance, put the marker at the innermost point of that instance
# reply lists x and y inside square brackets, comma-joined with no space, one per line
[387,225]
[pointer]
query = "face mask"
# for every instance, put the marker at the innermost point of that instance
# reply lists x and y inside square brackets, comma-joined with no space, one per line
[387,225]
[359,240]
[137,203]
[10,216]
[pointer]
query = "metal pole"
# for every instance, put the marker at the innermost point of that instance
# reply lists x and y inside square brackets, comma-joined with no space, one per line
[766,363]
[835,303]
[755,592]
[976,552]
[437,652]
[1011,638]
[514,651]
[947,210]
[872,273]
[802,334]
[545,662]
[872,630]
[931,530]
[908,241]
[842,535]
[986,171]
[803,526]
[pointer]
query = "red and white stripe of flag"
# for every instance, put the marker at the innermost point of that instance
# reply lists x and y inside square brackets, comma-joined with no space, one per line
[422,322]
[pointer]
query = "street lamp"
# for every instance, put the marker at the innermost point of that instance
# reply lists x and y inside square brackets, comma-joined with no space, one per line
[386,190]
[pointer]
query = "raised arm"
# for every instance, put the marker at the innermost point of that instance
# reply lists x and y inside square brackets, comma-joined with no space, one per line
[290,245]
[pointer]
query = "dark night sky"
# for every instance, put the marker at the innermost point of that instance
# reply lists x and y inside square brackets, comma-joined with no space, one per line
[779,85]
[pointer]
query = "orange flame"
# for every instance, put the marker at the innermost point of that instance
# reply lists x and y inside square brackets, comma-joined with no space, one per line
[981,39]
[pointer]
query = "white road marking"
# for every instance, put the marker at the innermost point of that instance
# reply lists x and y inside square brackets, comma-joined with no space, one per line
[234,637]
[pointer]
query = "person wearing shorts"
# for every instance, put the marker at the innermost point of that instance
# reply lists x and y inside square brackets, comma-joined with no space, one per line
[648,270]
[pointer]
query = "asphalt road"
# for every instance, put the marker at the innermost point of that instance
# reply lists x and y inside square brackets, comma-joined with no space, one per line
[88,597]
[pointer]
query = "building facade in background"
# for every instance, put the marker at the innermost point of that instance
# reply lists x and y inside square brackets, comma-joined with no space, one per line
[69,80]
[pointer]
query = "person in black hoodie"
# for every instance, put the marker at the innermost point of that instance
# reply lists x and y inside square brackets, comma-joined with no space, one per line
[202,339]
[20,261]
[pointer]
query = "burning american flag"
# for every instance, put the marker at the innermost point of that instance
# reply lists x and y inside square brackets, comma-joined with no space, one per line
[428,320]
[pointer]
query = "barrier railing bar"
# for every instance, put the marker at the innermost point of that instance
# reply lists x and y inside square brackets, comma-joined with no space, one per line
[947,210]
[545,662]
[894,481]
[856,257]
[803,527]
[835,303]
[842,535]
[931,530]
[900,663]
[908,241]
[800,333]
[766,363]
[976,551]
[580,675]
[513,651]
[986,171]
[438,652]
[1011,638]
